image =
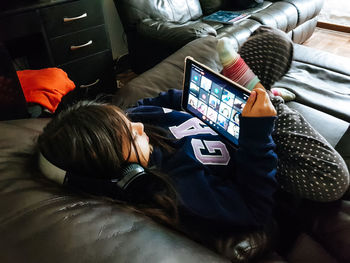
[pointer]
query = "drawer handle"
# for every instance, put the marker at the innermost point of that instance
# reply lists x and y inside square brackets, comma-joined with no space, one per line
[69,19]
[91,84]
[81,46]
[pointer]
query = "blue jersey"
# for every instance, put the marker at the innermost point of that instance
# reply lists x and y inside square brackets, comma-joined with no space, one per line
[215,182]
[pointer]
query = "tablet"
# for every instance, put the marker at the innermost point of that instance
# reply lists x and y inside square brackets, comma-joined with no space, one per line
[214,99]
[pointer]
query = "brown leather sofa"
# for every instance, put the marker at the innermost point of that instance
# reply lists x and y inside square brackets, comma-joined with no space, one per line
[156,29]
[41,222]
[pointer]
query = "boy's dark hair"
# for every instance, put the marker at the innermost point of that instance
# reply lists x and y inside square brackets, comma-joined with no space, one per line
[86,139]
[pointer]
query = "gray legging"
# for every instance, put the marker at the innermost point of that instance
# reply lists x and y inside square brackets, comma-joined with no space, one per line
[308,167]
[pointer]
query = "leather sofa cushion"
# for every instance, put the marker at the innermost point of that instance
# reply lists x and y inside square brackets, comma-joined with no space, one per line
[179,11]
[327,228]
[168,74]
[281,15]
[306,9]
[307,249]
[343,148]
[174,35]
[304,31]
[332,227]
[240,32]
[320,80]
[211,6]
[42,222]
[319,120]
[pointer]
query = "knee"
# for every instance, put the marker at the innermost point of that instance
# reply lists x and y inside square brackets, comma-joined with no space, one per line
[334,184]
[331,176]
[325,184]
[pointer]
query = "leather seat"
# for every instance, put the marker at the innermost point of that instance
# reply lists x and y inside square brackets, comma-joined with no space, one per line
[40,222]
[156,29]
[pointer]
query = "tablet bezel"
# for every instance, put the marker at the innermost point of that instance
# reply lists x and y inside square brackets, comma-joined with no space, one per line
[186,87]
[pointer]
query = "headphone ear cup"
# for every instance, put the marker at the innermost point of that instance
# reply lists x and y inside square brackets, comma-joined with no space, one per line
[136,183]
[129,174]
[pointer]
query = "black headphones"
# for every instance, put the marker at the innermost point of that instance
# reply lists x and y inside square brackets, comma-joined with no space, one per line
[133,183]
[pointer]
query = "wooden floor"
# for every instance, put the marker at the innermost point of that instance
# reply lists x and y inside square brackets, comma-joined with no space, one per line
[331,41]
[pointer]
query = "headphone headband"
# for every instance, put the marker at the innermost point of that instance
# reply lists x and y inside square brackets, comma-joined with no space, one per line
[51,171]
[131,175]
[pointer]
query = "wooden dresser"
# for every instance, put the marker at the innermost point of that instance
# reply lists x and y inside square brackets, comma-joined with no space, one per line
[69,34]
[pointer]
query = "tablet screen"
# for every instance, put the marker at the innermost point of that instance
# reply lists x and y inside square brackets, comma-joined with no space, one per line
[214,99]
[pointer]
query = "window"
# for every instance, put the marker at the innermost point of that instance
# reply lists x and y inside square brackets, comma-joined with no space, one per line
[336,12]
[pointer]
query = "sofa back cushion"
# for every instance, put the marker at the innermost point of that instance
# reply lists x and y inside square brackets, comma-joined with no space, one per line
[211,6]
[179,11]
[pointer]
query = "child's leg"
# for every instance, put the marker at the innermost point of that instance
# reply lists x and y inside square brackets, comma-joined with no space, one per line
[308,165]
[265,57]
[234,66]
[268,53]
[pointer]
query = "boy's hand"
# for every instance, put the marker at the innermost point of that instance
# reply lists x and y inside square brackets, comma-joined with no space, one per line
[258,105]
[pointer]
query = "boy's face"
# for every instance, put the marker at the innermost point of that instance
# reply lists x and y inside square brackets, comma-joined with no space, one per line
[143,147]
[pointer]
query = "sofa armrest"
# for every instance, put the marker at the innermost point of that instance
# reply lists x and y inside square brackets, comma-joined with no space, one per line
[173,35]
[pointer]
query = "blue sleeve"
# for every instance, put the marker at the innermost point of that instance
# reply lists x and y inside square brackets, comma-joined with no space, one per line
[256,165]
[245,198]
[170,99]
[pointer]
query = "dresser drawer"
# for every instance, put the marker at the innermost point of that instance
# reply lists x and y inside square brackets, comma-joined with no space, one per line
[65,18]
[94,74]
[79,44]
[19,25]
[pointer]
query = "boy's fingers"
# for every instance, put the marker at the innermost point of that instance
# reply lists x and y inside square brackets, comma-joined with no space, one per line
[263,100]
[261,93]
[262,96]
[250,102]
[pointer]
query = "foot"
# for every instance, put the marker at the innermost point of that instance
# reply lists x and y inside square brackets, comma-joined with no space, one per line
[268,52]
[234,66]
[284,93]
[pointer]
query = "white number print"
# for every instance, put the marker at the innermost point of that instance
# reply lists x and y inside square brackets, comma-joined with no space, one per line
[214,158]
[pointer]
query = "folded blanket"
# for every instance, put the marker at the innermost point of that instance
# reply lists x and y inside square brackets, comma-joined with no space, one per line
[45,86]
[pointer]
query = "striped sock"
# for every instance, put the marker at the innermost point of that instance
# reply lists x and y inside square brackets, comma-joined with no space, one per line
[284,93]
[234,66]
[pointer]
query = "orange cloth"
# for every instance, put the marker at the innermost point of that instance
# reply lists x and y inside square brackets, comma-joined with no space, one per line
[45,86]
